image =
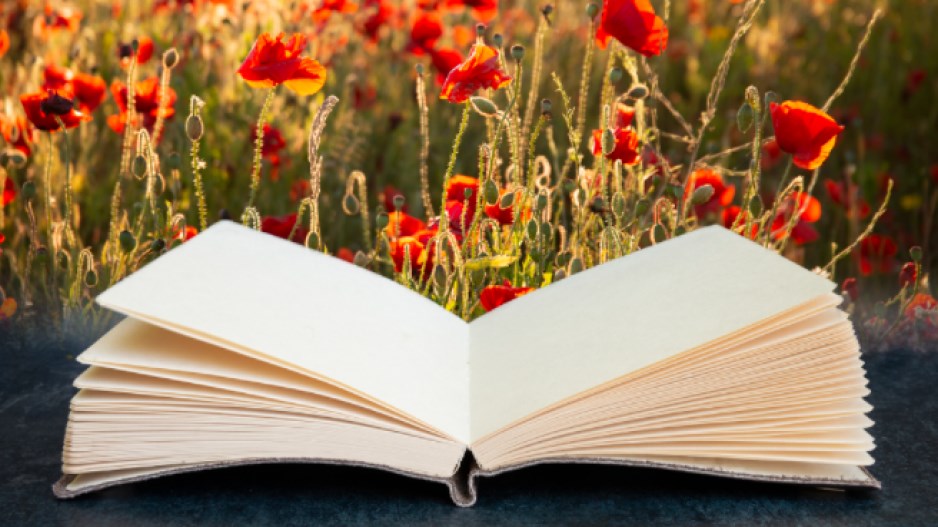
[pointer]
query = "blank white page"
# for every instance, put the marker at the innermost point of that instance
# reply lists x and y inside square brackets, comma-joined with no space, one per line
[619,317]
[263,296]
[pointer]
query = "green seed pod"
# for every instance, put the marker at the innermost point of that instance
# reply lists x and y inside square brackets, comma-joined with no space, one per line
[598,205]
[752,97]
[755,206]
[702,194]
[569,186]
[419,68]
[174,161]
[559,274]
[399,202]
[576,265]
[42,255]
[498,40]
[916,253]
[157,245]
[679,230]
[13,158]
[531,229]
[28,190]
[439,277]
[563,259]
[592,10]
[351,205]
[517,52]
[483,106]
[467,193]
[608,141]
[490,192]
[536,255]
[676,191]
[546,106]
[658,234]
[507,200]
[139,166]
[769,98]
[615,75]
[194,127]
[638,91]
[381,220]
[540,203]
[127,241]
[361,259]
[744,117]
[480,30]
[312,240]
[91,278]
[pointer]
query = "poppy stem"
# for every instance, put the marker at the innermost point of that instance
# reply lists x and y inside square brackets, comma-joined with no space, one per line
[259,149]
[463,123]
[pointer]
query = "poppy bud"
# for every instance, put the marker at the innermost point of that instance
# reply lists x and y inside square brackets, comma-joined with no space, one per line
[490,192]
[752,97]
[755,206]
[157,245]
[14,158]
[312,240]
[483,106]
[398,202]
[91,278]
[576,265]
[532,229]
[173,162]
[139,166]
[381,220]
[608,141]
[592,10]
[28,190]
[702,194]
[541,202]
[744,117]
[498,40]
[569,186]
[615,75]
[125,51]
[55,104]
[658,234]
[194,127]
[675,191]
[127,241]
[679,230]
[559,274]
[480,30]
[916,253]
[507,200]
[638,91]
[642,207]
[170,58]
[546,106]
[536,255]
[598,205]
[351,205]
[770,97]
[562,259]
[419,69]
[361,259]
[517,52]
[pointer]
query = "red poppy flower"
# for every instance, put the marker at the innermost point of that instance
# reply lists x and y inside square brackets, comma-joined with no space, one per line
[734,215]
[444,60]
[186,234]
[458,185]
[65,18]
[850,288]
[146,103]
[401,224]
[497,213]
[908,274]
[273,61]
[847,196]
[722,193]
[381,13]
[479,70]
[633,23]
[493,296]
[771,155]
[809,209]
[281,227]
[408,246]
[57,78]
[626,149]
[877,254]
[805,132]
[144,51]
[344,253]
[18,133]
[427,29]
[4,42]
[43,108]
[387,196]
[9,192]
[89,90]
[325,11]
[482,10]
[459,221]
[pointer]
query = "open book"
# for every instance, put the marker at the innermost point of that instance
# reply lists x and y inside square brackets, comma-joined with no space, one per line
[706,353]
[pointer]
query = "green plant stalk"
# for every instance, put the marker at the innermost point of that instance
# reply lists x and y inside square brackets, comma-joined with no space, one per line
[258,149]
[454,154]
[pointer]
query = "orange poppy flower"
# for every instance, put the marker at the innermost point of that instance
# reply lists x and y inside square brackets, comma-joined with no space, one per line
[411,248]
[493,296]
[801,232]
[324,12]
[722,193]
[458,185]
[7,309]
[480,70]
[634,24]
[4,42]
[877,254]
[43,108]
[273,61]
[401,224]
[626,149]
[482,10]
[146,103]
[89,90]
[805,132]
[184,235]
[427,29]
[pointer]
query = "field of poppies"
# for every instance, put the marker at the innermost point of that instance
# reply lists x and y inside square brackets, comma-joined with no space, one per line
[472,150]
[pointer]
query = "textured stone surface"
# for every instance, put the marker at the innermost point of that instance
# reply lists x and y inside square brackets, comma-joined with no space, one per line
[35,385]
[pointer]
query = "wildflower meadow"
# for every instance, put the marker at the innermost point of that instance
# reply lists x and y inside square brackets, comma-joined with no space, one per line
[471,150]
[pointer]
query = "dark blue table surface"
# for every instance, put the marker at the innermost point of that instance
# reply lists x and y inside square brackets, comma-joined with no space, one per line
[36,371]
